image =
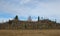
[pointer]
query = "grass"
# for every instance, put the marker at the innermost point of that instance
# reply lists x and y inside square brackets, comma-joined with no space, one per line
[29,32]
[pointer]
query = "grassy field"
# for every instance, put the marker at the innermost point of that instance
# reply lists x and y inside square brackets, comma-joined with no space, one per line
[29,32]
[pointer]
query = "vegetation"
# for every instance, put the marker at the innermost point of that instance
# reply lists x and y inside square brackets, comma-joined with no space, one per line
[40,24]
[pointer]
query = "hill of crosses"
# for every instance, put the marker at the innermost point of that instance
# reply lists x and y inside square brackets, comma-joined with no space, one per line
[29,24]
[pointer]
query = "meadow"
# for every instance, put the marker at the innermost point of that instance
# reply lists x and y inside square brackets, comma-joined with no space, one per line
[29,32]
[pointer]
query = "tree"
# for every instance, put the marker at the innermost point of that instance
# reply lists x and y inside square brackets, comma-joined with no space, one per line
[38,18]
[29,18]
[16,17]
[41,18]
[10,22]
[55,20]
[25,26]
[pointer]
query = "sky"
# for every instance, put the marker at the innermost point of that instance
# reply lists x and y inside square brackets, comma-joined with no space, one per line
[49,9]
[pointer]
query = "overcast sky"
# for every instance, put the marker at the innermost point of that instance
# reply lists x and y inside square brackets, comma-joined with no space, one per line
[24,8]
